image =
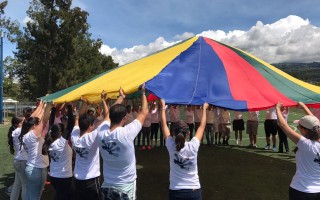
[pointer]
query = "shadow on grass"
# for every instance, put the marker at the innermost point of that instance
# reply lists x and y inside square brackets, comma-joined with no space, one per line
[225,173]
[6,180]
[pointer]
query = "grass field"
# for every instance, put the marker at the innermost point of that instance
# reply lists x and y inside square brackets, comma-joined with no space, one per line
[226,172]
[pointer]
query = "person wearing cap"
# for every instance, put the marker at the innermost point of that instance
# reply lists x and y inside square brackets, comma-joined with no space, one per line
[184,179]
[306,181]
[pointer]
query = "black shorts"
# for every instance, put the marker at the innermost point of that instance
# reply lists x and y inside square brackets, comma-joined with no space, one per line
[270,127]
[238,125]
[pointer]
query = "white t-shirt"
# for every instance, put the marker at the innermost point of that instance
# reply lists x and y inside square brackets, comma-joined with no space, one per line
[174,114]
[271,113]
[155,116]
[33,146]
[20,153]
[253,116]
[147,121]
[237,115]
[117,151]
[61,159]
[183,165]
[87,164]
[189,116]
[307,176]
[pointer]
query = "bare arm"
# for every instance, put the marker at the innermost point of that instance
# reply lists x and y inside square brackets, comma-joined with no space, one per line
[46,114]
[39,127]
[121,97]
[164,126]
[305,108]
[105,106]
[83,107]
[295,137]
[144,107]
[199,133]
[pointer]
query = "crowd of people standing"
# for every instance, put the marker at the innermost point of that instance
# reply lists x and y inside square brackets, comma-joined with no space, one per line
[68,144]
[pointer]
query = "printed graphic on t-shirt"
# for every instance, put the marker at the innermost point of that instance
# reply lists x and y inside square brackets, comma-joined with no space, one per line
[82,152]
[317,160]
[54,156]
[110,147]
[183,163]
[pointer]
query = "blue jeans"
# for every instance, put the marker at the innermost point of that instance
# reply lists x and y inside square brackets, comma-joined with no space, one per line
[185,194]
[20,180]
[36,178]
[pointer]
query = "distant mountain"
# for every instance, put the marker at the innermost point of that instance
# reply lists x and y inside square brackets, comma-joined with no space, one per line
[308,72]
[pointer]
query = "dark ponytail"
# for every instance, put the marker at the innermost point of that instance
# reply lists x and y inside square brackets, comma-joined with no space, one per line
[180,131]
[15,121]
[53,134]
[180,140]
[26,126]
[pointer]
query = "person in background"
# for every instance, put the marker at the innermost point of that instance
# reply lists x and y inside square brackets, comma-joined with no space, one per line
[183,155]
[252,128]
[174,114]
[190,119]
[146,130]
[271,128]
[154,124]
[283,140]
[305,183]
[238,126]
[225,125]
[20,159]
[209,126]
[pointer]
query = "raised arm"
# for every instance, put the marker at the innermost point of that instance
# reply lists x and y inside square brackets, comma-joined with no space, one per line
[83,107]
[39,127]
[199,133]
[121,97]
[144,107]
[295,137]
[305,108]
[164,126]
[105,106]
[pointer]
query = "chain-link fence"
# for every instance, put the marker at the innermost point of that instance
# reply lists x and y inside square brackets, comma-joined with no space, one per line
[11,109]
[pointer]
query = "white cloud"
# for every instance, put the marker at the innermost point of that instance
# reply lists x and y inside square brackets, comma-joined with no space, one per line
[291,39]
[127,55]
[25,20]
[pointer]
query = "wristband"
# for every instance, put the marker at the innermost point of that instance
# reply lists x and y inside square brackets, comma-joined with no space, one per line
[143,93]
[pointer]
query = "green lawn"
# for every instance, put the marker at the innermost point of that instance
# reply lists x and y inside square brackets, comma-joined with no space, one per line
[225,172]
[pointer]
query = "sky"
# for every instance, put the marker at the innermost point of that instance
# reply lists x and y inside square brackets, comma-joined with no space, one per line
[273,30]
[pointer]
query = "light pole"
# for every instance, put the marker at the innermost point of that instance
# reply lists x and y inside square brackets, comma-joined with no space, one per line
[1,76]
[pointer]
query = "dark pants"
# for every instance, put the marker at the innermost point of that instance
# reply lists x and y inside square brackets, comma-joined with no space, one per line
[209,134]
[138,138]
[63,188]
[146,135]
[283,140]
[191,127]
[88,189]
[297,195]
[154,131]
[185,194]
[113,194]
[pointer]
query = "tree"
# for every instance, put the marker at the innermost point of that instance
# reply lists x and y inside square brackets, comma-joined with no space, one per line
[11,87]
[11,26]
[56,49]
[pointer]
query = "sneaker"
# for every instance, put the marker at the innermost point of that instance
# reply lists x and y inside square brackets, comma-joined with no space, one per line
[143,147]
[237,142]
[240,143]
[274,148]
[254,146]
[149,147]
[267,147]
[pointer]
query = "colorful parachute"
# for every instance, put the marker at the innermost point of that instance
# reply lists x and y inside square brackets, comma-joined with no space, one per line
[200,70]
